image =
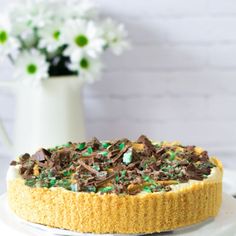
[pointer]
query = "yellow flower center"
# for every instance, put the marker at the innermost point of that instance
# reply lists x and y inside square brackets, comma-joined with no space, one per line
[31,69]
[3,36]
[81,40]
[84,63]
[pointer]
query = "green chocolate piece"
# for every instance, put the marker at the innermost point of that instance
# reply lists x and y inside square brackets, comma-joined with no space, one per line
[121,146]
[67,173]
[67,144]
[96,167]
[147,189]
[89,150]
[104,153]
[106,189]
[106,145]
[52,182]
[127,158]
[30,182]
[91,189]
[172,156]
[81,146]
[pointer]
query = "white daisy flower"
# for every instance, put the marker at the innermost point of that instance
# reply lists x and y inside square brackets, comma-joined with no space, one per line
[83,39]
[33,14]
[31,65]
[89,69]
[8,44]
[57,10]
[50,37]
[82,9]
[27,37]
[115,35]
[28,17]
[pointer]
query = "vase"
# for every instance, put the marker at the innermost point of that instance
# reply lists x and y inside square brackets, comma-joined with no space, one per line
[47,115]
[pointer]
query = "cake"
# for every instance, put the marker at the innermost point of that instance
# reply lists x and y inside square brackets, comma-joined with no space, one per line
[119,186]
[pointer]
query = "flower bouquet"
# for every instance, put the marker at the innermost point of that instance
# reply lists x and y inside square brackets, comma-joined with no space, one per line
[51,38]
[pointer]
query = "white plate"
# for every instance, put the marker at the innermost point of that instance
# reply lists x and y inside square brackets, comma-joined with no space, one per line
[223,225]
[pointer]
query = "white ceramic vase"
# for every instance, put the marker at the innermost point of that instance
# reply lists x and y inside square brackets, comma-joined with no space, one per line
[47,115]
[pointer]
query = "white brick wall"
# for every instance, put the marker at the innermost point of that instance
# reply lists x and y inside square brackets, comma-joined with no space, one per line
[178,81]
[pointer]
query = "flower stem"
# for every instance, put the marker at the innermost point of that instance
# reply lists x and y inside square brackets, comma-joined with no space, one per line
[11,59]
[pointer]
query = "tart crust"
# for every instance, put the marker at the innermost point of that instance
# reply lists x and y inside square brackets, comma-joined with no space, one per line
[111,213]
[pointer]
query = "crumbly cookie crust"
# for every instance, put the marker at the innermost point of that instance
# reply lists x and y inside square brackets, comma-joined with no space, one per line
[112,213]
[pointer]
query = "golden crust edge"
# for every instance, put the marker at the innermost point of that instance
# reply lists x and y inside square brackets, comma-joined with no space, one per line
[110,213]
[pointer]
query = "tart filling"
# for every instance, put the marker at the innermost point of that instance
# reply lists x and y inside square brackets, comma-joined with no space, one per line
[120,167]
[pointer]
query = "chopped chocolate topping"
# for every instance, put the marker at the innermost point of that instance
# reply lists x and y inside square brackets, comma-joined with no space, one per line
[99,183]
[87,167]
[41,155]
[25,157]
[150,148]
[120,167]
[13,163]
[121,153]
[94,143]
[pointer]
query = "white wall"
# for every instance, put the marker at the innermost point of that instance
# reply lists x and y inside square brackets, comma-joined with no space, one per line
[178,82]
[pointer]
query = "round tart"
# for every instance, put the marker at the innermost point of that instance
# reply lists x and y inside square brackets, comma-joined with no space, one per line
[117,186]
